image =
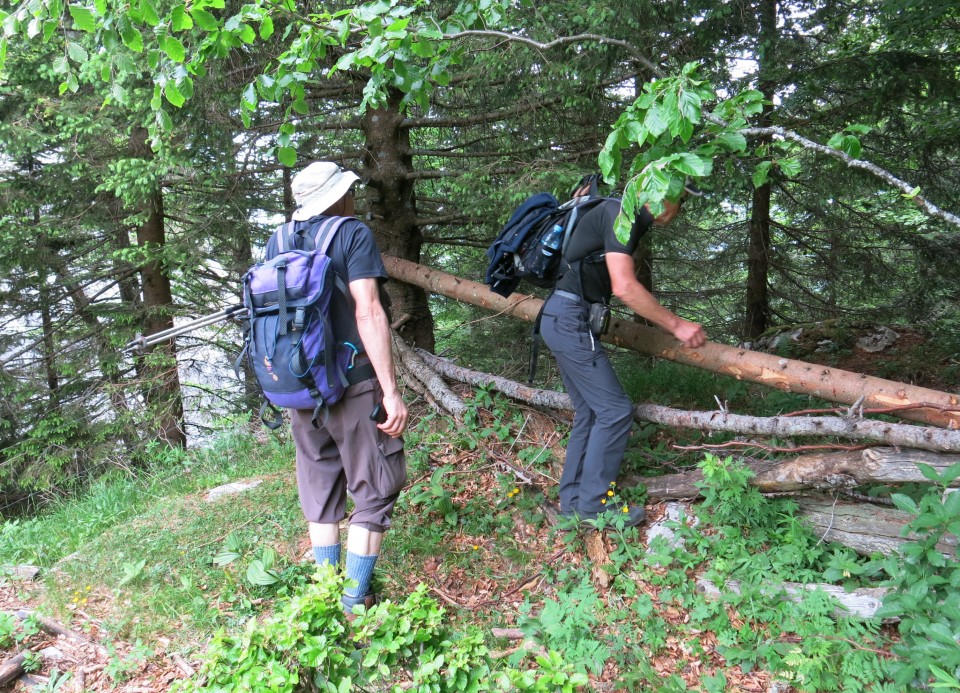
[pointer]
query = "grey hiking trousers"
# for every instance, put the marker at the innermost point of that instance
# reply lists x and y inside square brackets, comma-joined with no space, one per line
[604,413]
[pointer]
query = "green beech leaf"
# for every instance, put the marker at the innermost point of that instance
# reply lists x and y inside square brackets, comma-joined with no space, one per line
[693,165]
[690,105]
[266,27]
[249,98]
[77,53]
[622,228]
[164,122]
[173,48]
[247,34]
[760,175]
[179,19]
[790,167]
[173,94]
[83,19]
[132,39]
[149,13]
[656,120]
[287,156]
[732,141]
[204,19]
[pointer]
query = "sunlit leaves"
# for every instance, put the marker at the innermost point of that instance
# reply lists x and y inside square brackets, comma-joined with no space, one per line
[847,140]
[287,156]
[173,48]
[204,20]
[83,18]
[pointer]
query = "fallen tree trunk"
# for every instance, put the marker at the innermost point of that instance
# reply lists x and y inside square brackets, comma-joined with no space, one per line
[932,407]
[867,430]
[444,398]
[11,668]
[861,603]
[863,527]
[841,469]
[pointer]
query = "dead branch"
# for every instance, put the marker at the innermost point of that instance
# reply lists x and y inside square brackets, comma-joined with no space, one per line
[904,435]
[862,603]
[804,472]
[442,394]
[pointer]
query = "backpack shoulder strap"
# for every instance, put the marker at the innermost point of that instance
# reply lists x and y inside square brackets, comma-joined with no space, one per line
[285,236]
[326,230]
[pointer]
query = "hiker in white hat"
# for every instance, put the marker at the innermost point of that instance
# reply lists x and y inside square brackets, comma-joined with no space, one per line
[357,448]
[318,187]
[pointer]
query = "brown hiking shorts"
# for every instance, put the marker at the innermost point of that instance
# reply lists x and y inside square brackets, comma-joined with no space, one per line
[348,454]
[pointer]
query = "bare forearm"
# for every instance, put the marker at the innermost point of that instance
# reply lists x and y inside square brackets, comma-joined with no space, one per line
[374,332]
[643,303]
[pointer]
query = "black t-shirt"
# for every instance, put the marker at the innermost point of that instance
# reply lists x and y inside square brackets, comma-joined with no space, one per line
[354,255]
[593,234]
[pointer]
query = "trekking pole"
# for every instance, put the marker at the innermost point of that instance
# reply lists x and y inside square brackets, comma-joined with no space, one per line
[139,343]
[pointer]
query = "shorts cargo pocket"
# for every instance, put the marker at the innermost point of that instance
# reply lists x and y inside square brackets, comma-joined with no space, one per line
[392,474]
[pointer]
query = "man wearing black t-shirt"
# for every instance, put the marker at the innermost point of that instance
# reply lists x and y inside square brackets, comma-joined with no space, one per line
[601,266]
[350,452]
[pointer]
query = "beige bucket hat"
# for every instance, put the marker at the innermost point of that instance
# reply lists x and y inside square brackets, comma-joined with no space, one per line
[319,186]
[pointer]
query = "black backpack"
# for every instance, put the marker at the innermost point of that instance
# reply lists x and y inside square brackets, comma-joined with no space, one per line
[530,246]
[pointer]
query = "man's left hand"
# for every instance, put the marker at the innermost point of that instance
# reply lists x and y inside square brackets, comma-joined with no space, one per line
[397,415]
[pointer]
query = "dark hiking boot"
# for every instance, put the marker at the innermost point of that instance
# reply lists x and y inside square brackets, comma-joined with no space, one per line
[636,515]
[367,601]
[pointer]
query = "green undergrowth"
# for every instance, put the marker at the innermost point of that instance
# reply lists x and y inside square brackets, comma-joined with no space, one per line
[224,582]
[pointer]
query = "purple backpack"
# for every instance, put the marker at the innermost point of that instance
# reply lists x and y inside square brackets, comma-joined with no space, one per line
[290,344]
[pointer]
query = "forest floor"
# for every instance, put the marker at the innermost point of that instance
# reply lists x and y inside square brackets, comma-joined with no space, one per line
[472,576]
[468,569]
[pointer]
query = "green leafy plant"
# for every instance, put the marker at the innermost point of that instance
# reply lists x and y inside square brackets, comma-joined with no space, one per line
[32,662]
[56,682]
[8,629]
[121,667]
[566,624]
[435,498]
[131,571]
[924,582]
[260,571]
[309,639]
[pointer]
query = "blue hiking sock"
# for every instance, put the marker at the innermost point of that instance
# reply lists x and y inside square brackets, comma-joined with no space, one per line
[327,554]
[359,568]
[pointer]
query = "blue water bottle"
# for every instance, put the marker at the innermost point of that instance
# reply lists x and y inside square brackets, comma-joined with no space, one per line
[551,240]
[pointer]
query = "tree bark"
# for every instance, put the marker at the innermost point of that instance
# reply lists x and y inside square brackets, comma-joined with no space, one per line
[162,392]
[863,527]
[773,371]
[413,362]
[842,469]
[393,211]
[933,439]
[11,668]
[757,302]
[861,603]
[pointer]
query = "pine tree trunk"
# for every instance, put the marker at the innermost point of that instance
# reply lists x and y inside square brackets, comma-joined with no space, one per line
[757,302]
[392,205]
[162,392]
